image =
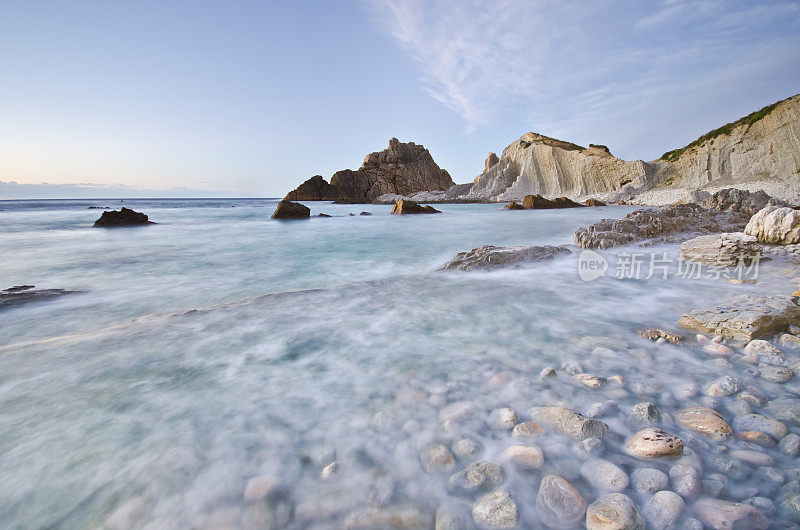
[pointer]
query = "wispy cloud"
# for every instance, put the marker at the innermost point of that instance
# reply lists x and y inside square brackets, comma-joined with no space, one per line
[555,61]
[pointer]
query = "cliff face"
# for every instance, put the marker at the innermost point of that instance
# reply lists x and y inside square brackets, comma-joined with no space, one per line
[537,164]
[760,151]
[762,146]
[402,169]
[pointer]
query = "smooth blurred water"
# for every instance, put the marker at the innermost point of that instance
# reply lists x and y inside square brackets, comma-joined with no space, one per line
[218,345]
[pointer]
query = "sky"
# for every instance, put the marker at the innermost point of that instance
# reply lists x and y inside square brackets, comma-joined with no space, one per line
[250,98]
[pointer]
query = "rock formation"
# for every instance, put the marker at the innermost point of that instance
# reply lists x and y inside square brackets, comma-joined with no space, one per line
[401,169]
[291,210]
[759,151]
[123,217]
[725,249]
[491,257]
[405,207]
[775,225]
[537,202]
[22,294]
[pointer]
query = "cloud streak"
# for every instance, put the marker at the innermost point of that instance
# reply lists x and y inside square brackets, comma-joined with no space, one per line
[557,62]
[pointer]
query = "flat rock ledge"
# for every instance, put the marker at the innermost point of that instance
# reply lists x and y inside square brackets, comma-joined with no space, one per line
[491,257]
[727,249]
[23,294]
[745,317]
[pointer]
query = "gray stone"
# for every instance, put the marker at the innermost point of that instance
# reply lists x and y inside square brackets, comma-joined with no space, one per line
[503,418]
[685,480]
[723,515]
[776,374]
[790,445]
[558,504]
[648,480]
[437,458]
[601,409]
[496,510]
[745,317]
[477,476]
[604,475]
[614,512]
[775,225]
[784,409]
[453,518]
[388,517]
[567,423]
[466,448]
[757,422]
[762,504]
[644,414]
[491,257]
[724,386]
[725,249]
[663,509]
[790,341]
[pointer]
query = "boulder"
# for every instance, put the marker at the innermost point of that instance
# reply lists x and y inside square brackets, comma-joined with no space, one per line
[726,249]
[739,201]
[558,503]
[664,509]
[594,202]
[537,202]
[403,207]
[775,225]
[757,422]
[491,257]
[315,189]
[513,206]
[604,475]
[477,476]
[744,318]
[567,423]
[122,217]
[291,210]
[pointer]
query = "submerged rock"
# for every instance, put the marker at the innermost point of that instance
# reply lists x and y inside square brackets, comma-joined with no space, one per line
[614,512]
[724,515]
[491,257]
[648,480]
[291,210]
[558,504]
[775,225]
[524,456]
[745,317]
[122,217]
[705,421]
[404,207]
[724,386]
[757,422]
[567,423]
[664,509]
[496,510]
[388,517]
[477,476]
[656,334]
[23,294]
[438,458]
[604,475]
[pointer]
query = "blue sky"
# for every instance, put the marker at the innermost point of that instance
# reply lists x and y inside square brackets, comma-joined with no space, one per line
[250,98]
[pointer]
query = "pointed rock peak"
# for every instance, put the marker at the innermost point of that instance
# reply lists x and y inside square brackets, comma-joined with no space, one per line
[491,160]
[536,138]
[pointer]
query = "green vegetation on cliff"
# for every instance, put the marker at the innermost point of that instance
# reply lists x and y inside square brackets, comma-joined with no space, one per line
[726,129]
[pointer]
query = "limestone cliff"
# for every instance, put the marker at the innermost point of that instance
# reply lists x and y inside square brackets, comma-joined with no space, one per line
[537,164]
[763,147]
[401,169]
[759,151]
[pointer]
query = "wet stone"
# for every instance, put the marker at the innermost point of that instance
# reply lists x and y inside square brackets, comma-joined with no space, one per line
[757,422]
[592,446]
[685,480]
[466,448]
[762,504]
[558,503]
[503,418]
[614,511]
[776,374]
[654,443]
[477,476]
[644,414]
[648,480]
[526,430]
[388,517]
[567,423]
[724,515]
[602,409]
[756,458]
[604,475]
[524,456]
[438,458]
[664,509]
[453,518]
[496,510]
[713,484]
[790,506]
[756,437]
[724,386]
[790,445]
[784,409]
[705,421]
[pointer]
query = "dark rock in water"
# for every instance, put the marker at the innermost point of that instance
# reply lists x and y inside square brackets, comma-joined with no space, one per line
[315,189]
[99,208]
[491,257]
[22,294]
[402,168]
[537,202]
[594,202]
[122,217]
[291,210]
[322,215]
[740,201]
[661,225]
[513,206]
[365,213]
[403,207]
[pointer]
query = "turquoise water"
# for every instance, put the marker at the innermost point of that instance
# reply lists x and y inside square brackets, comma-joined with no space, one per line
[218,345]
